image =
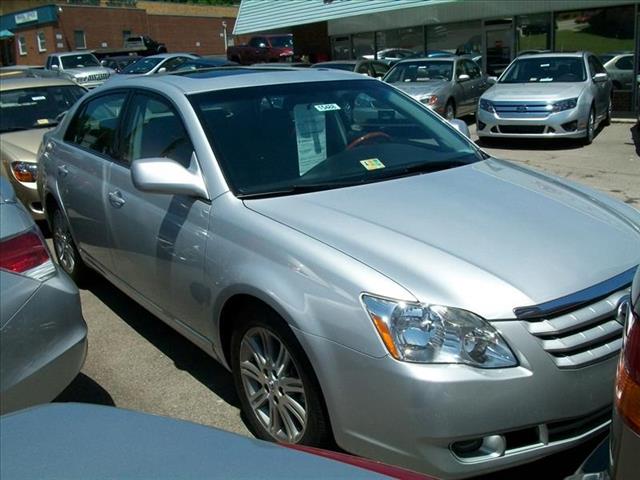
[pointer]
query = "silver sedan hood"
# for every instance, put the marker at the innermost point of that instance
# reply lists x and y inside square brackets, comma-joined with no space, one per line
[533,91]
[418,89]
[487,237]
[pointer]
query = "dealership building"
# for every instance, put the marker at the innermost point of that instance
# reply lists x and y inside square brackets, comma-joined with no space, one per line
[494,32]
[30,30]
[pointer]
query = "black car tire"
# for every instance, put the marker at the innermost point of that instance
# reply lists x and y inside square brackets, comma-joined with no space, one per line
[258,318]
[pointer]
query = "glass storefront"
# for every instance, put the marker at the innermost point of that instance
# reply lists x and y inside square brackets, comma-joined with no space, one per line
[363,44]
[399,43]
[459,38]
[533,32]
[609,33]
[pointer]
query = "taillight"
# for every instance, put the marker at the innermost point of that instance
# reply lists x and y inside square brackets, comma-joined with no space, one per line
[25,171]
[627,393]
[27,254]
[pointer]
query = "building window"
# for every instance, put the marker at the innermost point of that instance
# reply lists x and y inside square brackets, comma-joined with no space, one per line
[22,45]
[80,39]
[42,42]
[125,34]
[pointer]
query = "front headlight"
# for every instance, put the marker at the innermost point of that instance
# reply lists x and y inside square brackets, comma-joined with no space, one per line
[564,105]
[421,333]
[429,99]
[487,106]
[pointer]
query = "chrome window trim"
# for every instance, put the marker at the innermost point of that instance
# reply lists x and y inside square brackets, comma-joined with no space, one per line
[577,299]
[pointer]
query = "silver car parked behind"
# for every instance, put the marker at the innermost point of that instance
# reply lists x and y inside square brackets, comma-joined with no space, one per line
[450,86]
[548,95]
[43,336]
[365,271]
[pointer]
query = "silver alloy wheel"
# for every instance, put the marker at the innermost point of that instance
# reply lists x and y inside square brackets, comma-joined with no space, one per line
[62,243]
[449,112]
[273,385]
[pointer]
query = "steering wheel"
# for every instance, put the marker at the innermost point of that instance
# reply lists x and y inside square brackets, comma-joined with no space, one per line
[365,138]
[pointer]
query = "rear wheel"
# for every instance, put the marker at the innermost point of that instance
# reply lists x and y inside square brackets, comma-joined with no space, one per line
[66,250]
[278,391]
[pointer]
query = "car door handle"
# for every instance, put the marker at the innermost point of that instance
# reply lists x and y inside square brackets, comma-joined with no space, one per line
[116,199]
[62,170]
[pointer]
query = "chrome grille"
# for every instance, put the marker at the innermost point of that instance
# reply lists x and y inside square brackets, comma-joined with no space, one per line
[96,77]
[522,109]
[582,336]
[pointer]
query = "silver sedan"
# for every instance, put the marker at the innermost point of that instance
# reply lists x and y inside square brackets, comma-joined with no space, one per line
[43,336]
[366,272]
[450,86]
[548,95]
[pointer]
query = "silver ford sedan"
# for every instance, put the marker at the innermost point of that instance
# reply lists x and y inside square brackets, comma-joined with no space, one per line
[450,86]
[364,270]
[547,95]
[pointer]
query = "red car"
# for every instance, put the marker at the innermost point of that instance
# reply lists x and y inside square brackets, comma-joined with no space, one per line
[263,49]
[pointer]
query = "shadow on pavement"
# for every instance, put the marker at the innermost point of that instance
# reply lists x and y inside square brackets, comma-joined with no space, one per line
[185,355]
[635,135]
[84,389]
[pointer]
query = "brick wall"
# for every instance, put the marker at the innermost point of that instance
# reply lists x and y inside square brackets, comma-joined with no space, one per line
[199,35]
[100,25]
[34,56]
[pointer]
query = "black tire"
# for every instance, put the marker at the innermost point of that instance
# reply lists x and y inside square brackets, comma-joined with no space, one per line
[65,249]
[607,120]
[254,320]
[591,128]
[449,107]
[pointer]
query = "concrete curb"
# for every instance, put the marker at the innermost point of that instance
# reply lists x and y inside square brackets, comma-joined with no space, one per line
[623,120]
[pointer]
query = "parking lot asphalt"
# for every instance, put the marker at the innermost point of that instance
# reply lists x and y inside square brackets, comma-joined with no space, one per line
[137,362]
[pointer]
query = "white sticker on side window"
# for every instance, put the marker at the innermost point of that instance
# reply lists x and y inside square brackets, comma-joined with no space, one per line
[326,107]
[311,136]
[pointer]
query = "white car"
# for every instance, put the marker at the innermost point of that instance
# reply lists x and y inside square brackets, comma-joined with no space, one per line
[620,69]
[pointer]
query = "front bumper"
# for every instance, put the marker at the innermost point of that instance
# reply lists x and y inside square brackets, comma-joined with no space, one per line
[412,415]
[43,346]
[554,125]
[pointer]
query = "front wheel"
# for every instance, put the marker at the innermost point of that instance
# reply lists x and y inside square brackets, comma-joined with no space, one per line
[591,128]
[278,391]
[450,111]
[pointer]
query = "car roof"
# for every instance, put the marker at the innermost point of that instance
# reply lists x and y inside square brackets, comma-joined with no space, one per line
[14,83]
[74,52]
[341,62]
[224,78]
[432,59]
[553,54]
[171,55]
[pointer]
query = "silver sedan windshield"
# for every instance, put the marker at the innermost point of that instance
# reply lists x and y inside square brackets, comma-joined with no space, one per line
[545,70]
[286,139]
[421,71]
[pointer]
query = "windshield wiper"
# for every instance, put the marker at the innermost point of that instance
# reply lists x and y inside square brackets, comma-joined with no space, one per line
[14,129]
[300,188]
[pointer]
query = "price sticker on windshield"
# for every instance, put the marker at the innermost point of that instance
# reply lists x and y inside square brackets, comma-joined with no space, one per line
[326,107]
[42,121]
[372,164]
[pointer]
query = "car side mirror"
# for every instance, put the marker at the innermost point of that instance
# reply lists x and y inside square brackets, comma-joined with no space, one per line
[166,176]
[464,77]
[492,80]
[600,77]
[54,67]
[461,126]
[162,69]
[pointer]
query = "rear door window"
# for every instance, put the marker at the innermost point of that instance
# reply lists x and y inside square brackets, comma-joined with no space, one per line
[95,125]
